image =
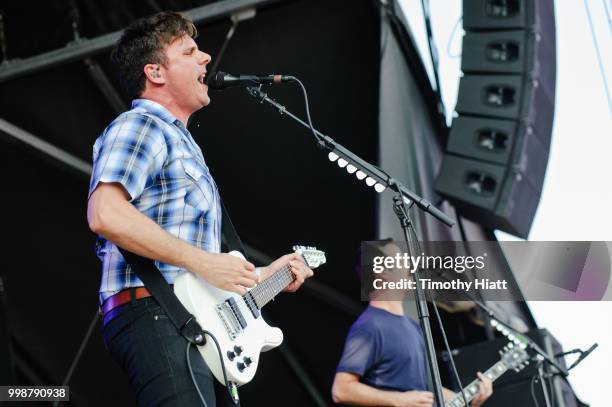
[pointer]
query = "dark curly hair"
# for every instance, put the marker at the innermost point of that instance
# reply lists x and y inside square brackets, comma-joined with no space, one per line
[143,43]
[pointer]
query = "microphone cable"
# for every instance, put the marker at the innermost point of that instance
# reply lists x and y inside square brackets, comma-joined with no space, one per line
[439,319]
[319,139]
[532,386]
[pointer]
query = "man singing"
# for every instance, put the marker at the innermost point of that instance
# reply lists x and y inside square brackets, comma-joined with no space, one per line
[152,193]
[383,362]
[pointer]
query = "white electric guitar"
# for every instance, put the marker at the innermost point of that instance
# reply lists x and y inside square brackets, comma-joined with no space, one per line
[235,320]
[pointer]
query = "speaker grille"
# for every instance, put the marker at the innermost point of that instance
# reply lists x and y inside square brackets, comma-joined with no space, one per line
[497,151]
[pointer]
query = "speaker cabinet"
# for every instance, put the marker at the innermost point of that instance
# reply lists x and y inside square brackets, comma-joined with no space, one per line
[497,151]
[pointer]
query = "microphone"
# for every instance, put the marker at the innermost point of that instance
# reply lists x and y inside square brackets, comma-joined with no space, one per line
[221,80]
[583,355]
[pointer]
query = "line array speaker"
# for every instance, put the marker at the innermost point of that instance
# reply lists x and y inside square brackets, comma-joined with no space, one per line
[497,151]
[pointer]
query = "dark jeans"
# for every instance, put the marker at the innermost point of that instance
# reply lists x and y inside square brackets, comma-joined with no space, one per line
[143,341]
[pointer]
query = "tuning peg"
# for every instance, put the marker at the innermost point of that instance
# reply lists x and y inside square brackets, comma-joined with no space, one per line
[379,188]
[332,156]
[370,181]
[360,175]
[351,168]
[342,163]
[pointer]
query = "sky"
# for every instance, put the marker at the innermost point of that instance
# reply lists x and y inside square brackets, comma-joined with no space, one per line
[577,194]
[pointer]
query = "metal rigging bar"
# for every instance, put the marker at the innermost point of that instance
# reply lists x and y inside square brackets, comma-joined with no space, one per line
[47,149]
[105,86]
[88,47]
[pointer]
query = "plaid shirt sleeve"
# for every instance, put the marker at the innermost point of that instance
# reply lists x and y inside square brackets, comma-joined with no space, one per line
[131,151]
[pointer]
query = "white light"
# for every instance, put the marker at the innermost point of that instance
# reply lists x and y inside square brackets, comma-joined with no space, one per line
[370,181]
[342,163]
[361,175]
[379,188]
[351,168]
[332,156]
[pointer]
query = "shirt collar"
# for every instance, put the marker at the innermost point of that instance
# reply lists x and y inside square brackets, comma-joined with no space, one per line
[156,109]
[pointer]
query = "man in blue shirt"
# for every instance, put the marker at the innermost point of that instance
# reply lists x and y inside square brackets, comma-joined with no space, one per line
[152,193]
[383,362]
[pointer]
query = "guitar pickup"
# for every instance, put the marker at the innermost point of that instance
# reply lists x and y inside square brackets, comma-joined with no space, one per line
[251,305]
[231,302]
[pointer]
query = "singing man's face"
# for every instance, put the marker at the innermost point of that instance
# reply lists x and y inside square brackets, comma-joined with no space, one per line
[184,74]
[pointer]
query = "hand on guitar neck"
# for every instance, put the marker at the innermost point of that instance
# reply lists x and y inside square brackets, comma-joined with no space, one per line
[512,358]
[299,269]
[426,399]
[486,389]
[477,393]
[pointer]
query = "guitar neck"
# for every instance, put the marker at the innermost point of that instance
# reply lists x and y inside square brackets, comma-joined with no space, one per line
[271,286]
[472,389]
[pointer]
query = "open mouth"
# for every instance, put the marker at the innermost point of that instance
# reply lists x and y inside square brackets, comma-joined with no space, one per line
[201,78]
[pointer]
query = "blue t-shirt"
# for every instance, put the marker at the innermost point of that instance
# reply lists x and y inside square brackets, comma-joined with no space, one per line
[386,350]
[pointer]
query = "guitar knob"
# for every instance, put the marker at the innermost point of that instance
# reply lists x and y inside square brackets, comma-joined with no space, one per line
[247,361]
[238,350]
[241,366]
[231,355]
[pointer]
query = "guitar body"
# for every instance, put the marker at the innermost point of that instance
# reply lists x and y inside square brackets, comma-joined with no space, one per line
[241,335]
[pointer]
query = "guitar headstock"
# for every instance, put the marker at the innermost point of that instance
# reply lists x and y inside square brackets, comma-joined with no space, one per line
[313,257]
[514,357]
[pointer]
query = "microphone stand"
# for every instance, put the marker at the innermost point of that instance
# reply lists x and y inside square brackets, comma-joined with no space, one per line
[376,174]
[401,210]
[381,180]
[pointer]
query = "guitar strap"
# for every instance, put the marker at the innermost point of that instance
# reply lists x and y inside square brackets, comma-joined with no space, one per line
[153,280]
[229,234]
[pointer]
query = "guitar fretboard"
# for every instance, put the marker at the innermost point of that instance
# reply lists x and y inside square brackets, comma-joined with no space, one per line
[472,389]
[271,286]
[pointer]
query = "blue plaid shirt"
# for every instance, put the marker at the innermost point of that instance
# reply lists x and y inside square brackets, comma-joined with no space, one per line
[154,157]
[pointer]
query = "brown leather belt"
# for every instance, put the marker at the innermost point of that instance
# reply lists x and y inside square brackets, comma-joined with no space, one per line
[122,298]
